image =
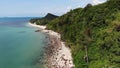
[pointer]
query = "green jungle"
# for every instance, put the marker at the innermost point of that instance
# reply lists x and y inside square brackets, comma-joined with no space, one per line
[92,33]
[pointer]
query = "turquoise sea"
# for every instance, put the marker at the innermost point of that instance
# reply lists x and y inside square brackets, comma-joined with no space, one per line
[20,45]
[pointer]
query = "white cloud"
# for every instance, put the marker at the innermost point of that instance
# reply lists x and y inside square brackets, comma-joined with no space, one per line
[68,8]
[95,2]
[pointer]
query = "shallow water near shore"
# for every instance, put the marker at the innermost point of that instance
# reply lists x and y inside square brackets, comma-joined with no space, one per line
[20,45]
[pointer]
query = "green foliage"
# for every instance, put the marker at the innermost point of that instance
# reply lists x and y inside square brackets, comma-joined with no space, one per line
[93,29]
[44,20]
[98,28]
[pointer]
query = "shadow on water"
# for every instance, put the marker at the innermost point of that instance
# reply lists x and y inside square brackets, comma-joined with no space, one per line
[22,32]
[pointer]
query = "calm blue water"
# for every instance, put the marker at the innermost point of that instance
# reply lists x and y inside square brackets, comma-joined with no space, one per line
[20,45]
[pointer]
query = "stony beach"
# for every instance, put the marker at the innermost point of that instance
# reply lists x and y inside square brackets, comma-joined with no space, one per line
[56,54]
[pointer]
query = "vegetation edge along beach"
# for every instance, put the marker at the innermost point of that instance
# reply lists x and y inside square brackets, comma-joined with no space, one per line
[92,33]
[56,55]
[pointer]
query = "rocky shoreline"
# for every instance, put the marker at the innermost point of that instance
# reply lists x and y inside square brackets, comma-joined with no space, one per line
[56,54]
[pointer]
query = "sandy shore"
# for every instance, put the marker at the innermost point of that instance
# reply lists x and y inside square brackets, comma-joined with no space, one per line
[34,25]
[57,55]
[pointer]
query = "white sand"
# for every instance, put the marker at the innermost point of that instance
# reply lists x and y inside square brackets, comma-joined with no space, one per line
[38,26]
[63,55]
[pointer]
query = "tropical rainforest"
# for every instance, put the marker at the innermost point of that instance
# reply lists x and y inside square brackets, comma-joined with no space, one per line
[92,33]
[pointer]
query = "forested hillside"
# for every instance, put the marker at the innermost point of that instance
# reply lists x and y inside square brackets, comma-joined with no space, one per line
[93,34]
[43,20]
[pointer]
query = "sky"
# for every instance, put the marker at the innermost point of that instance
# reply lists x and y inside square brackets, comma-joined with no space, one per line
[38,8]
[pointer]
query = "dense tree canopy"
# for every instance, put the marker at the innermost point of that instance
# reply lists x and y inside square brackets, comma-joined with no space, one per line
[44,20]
[93,34]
